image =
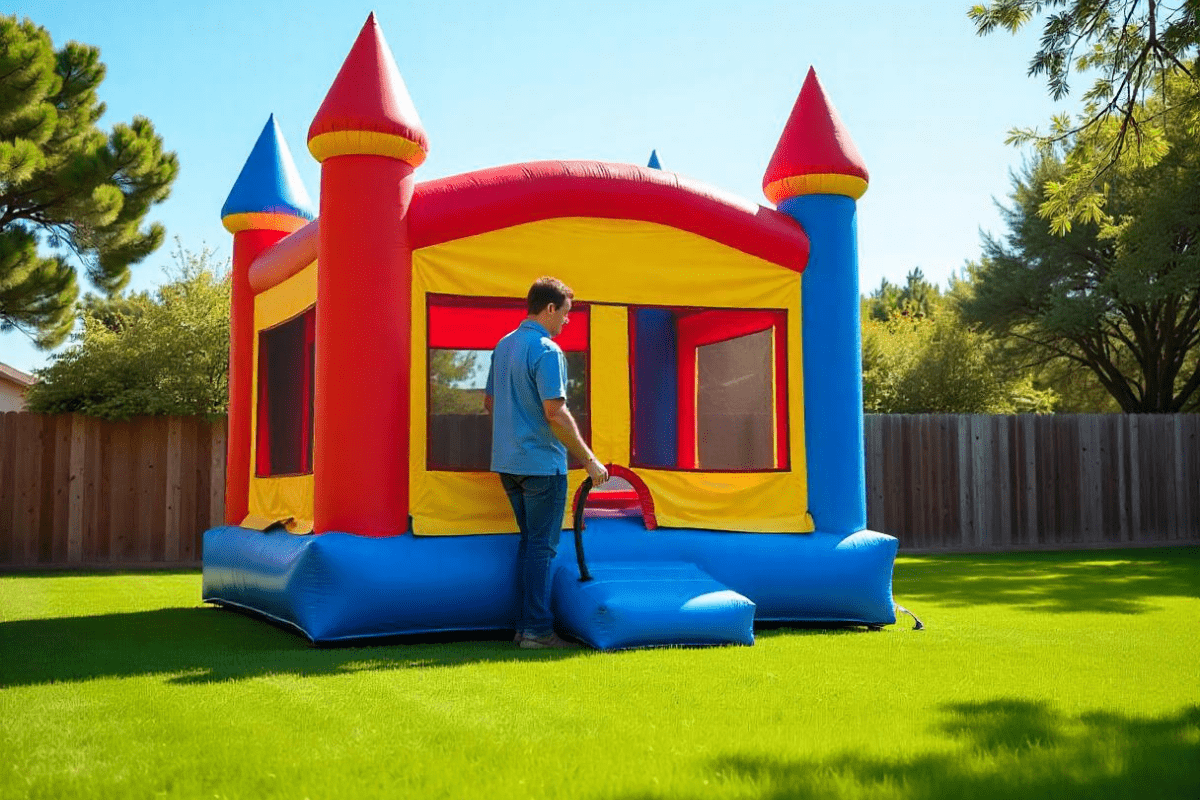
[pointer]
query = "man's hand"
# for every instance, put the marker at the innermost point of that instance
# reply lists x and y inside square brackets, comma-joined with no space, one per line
[597,471]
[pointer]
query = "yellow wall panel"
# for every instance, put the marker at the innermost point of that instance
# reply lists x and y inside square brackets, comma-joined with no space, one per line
[291,496]
[609,363]
[618,262]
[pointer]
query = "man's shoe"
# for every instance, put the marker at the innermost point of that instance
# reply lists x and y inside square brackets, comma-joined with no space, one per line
[551,642]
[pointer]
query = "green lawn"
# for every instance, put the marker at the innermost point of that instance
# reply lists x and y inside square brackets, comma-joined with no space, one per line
[1039,675]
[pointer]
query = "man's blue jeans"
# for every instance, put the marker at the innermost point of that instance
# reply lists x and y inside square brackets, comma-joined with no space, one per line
[538,503]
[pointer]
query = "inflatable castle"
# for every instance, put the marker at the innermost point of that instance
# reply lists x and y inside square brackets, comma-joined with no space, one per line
[714,353]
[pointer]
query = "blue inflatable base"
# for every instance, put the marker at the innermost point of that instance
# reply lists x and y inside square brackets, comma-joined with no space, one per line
[337,586]
[650,604]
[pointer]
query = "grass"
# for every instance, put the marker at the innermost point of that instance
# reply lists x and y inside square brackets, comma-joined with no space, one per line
[1040,675]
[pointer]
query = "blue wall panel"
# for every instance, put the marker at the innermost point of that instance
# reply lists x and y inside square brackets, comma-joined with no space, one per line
[655,417]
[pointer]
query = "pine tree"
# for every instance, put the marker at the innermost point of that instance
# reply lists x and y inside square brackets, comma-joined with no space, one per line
[917,297]
[66,185]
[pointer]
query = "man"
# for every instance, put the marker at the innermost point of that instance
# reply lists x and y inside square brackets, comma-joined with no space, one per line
[532,430]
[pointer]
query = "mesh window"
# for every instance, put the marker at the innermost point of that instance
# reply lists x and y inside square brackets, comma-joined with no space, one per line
[460,430]
[734,409]
[577,400]
[286,356]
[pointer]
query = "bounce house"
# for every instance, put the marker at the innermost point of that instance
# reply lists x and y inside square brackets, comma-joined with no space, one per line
[714,354]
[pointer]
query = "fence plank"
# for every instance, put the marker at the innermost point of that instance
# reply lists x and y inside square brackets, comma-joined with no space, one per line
[29,469]
[145,478]
[75,480]
[1067,449]
[948,478]
[216,483]
[907,478]
[1191,475]
[1135,482]
[966,513]
[1174,476]
[198,491]
[873,431]
[1002,430]
[1106,516]
[90,487]
[156,497]
[174,493]
[982,479]
[1151,484]
[1121,437]
[123,509]
[58,493]
[926,450]
[8,486]
[104,492]
[1089,472]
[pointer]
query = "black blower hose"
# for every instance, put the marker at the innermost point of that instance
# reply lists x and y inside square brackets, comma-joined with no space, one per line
[580,502]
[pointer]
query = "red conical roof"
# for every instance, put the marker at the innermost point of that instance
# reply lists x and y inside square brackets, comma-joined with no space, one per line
[815,154]
[368,110]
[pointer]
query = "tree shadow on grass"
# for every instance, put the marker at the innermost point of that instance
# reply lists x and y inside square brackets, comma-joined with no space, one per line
[205,645]
[1007,748]
[1121,582]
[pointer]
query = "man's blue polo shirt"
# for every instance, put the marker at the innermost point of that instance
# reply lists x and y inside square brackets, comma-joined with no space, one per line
[527,367]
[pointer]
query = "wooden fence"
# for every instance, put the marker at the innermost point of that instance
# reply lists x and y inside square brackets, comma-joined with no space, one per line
[77,491]
[958,482]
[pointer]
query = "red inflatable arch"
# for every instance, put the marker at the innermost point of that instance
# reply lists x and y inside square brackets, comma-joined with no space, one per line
[640,496]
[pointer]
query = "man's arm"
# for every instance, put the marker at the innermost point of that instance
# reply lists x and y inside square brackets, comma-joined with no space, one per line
[562,424]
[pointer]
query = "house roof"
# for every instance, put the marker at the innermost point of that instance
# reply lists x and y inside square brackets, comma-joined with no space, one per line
[367,109]
[815,154]
[268,193]
[14,375]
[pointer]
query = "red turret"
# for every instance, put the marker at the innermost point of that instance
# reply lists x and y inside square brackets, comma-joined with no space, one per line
[368,139]
[368,110]
[815,154]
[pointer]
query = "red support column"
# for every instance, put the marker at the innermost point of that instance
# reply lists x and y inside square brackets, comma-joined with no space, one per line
[247,246]
[364,300]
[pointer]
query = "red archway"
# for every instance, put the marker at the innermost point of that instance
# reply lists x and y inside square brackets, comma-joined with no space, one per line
[639,497]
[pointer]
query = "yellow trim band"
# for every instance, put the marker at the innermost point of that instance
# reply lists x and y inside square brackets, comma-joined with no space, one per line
[263,221]
[366,143]
[821,183]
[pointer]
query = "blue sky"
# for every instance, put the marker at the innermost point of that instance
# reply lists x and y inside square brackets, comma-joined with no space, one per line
[707,84]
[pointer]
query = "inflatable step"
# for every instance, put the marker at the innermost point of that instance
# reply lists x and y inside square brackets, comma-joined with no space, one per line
[650,604]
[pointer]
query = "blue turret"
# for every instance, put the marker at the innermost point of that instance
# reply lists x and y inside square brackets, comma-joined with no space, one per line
[815,176]
[268,193]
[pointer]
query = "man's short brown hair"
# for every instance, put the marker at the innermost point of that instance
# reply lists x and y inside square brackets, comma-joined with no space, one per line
[545,291]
